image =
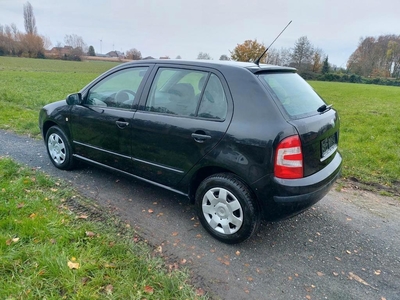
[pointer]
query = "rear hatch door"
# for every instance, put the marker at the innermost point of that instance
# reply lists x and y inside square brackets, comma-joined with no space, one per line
[316,122]
[319,135]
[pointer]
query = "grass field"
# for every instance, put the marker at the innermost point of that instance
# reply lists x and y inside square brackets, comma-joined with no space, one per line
[56,245]
[28,84]
[370,123]
[370,130]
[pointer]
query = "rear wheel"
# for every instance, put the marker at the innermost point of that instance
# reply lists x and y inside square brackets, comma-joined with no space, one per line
[227,209]
[59,149]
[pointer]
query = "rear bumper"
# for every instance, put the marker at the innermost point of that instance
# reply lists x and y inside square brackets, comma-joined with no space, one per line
[292,196]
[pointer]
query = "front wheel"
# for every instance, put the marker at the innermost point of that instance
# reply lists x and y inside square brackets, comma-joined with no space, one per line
[227,209]
[59,149]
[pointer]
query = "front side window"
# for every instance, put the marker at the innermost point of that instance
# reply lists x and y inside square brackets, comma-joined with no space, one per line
[117,90]
[187,93]
[295,95]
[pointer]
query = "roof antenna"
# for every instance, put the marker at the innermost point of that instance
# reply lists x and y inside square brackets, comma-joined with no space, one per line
[257,61]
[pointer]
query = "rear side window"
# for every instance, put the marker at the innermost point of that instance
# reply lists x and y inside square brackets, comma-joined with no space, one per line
[190,93]
[213,103]
[295,95]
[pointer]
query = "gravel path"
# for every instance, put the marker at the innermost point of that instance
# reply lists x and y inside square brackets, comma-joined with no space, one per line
[345,247]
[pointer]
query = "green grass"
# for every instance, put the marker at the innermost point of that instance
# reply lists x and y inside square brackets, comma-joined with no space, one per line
[40,235]
[28,84]
[370,123]
[370,130]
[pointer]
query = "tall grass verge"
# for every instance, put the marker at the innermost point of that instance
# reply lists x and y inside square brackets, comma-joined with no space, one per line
[50,251]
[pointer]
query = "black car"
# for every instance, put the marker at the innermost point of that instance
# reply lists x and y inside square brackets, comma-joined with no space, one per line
[243,141]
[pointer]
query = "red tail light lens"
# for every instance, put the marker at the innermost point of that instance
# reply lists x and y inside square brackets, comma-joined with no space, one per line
[289,159]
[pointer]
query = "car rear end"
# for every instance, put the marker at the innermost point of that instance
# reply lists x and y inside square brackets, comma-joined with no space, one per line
[307,163]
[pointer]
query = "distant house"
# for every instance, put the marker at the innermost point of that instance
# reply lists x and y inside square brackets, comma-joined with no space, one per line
[115,54]
[164,57]
[58,52]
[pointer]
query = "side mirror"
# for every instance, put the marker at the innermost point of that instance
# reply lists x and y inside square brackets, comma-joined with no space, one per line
[74,99]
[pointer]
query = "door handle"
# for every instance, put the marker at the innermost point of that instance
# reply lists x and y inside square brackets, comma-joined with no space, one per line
[200,137]
[121,124]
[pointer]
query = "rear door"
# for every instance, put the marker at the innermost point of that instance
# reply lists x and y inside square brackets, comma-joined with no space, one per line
[315,121]
[185,114]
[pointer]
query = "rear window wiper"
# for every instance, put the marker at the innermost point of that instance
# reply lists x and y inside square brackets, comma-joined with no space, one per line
[323,108]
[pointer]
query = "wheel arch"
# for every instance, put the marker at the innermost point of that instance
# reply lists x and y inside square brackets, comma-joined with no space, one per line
[205,172]
[50,123]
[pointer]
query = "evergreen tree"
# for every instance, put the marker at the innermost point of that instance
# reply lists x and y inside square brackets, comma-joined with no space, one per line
[91,51]
[325,66]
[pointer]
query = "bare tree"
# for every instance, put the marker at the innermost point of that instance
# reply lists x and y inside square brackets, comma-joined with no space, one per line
[46,42]
[134,54]
[302,53]
[10,40]
[272,57]
[29,19]
[14,32]
[224,57]
[77,44]
[74,41]
[285,55]
[204,55]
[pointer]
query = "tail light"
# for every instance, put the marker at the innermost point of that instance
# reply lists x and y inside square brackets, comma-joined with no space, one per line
[289,158]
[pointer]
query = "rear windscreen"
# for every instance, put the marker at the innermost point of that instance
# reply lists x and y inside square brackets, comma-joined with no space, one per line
[295,95]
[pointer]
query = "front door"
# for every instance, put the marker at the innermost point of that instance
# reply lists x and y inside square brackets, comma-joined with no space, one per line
[102,125]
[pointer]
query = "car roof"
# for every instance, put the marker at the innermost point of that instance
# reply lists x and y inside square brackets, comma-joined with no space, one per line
[251,66]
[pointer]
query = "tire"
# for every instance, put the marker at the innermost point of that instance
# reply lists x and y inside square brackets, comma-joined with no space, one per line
[227,209]
[59,149]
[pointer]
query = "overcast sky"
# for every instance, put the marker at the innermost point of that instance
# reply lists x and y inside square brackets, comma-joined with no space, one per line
[184,27]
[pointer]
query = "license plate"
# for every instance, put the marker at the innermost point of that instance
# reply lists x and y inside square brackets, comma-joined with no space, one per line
[328,146]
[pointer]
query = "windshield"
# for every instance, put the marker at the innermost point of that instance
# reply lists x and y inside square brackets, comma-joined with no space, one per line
[295,95]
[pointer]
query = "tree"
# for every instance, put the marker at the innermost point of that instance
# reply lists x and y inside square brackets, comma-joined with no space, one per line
[204,55]
[77,44]
[74,41]
[316,60]
[376,57]
[273,57]
[285,55]
[91,51]
[134,54]
[14,42]
[46,42]
[32,45]
[325,66]
[359,61]
[393,57]
[248,51]
[302,54]
[178,57]
[8,44]
[224,57]
[29,19]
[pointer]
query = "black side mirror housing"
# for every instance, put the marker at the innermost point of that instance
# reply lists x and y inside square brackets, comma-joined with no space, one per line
[74,99]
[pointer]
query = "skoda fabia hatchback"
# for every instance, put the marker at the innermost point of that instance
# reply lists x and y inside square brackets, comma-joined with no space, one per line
[244,142]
